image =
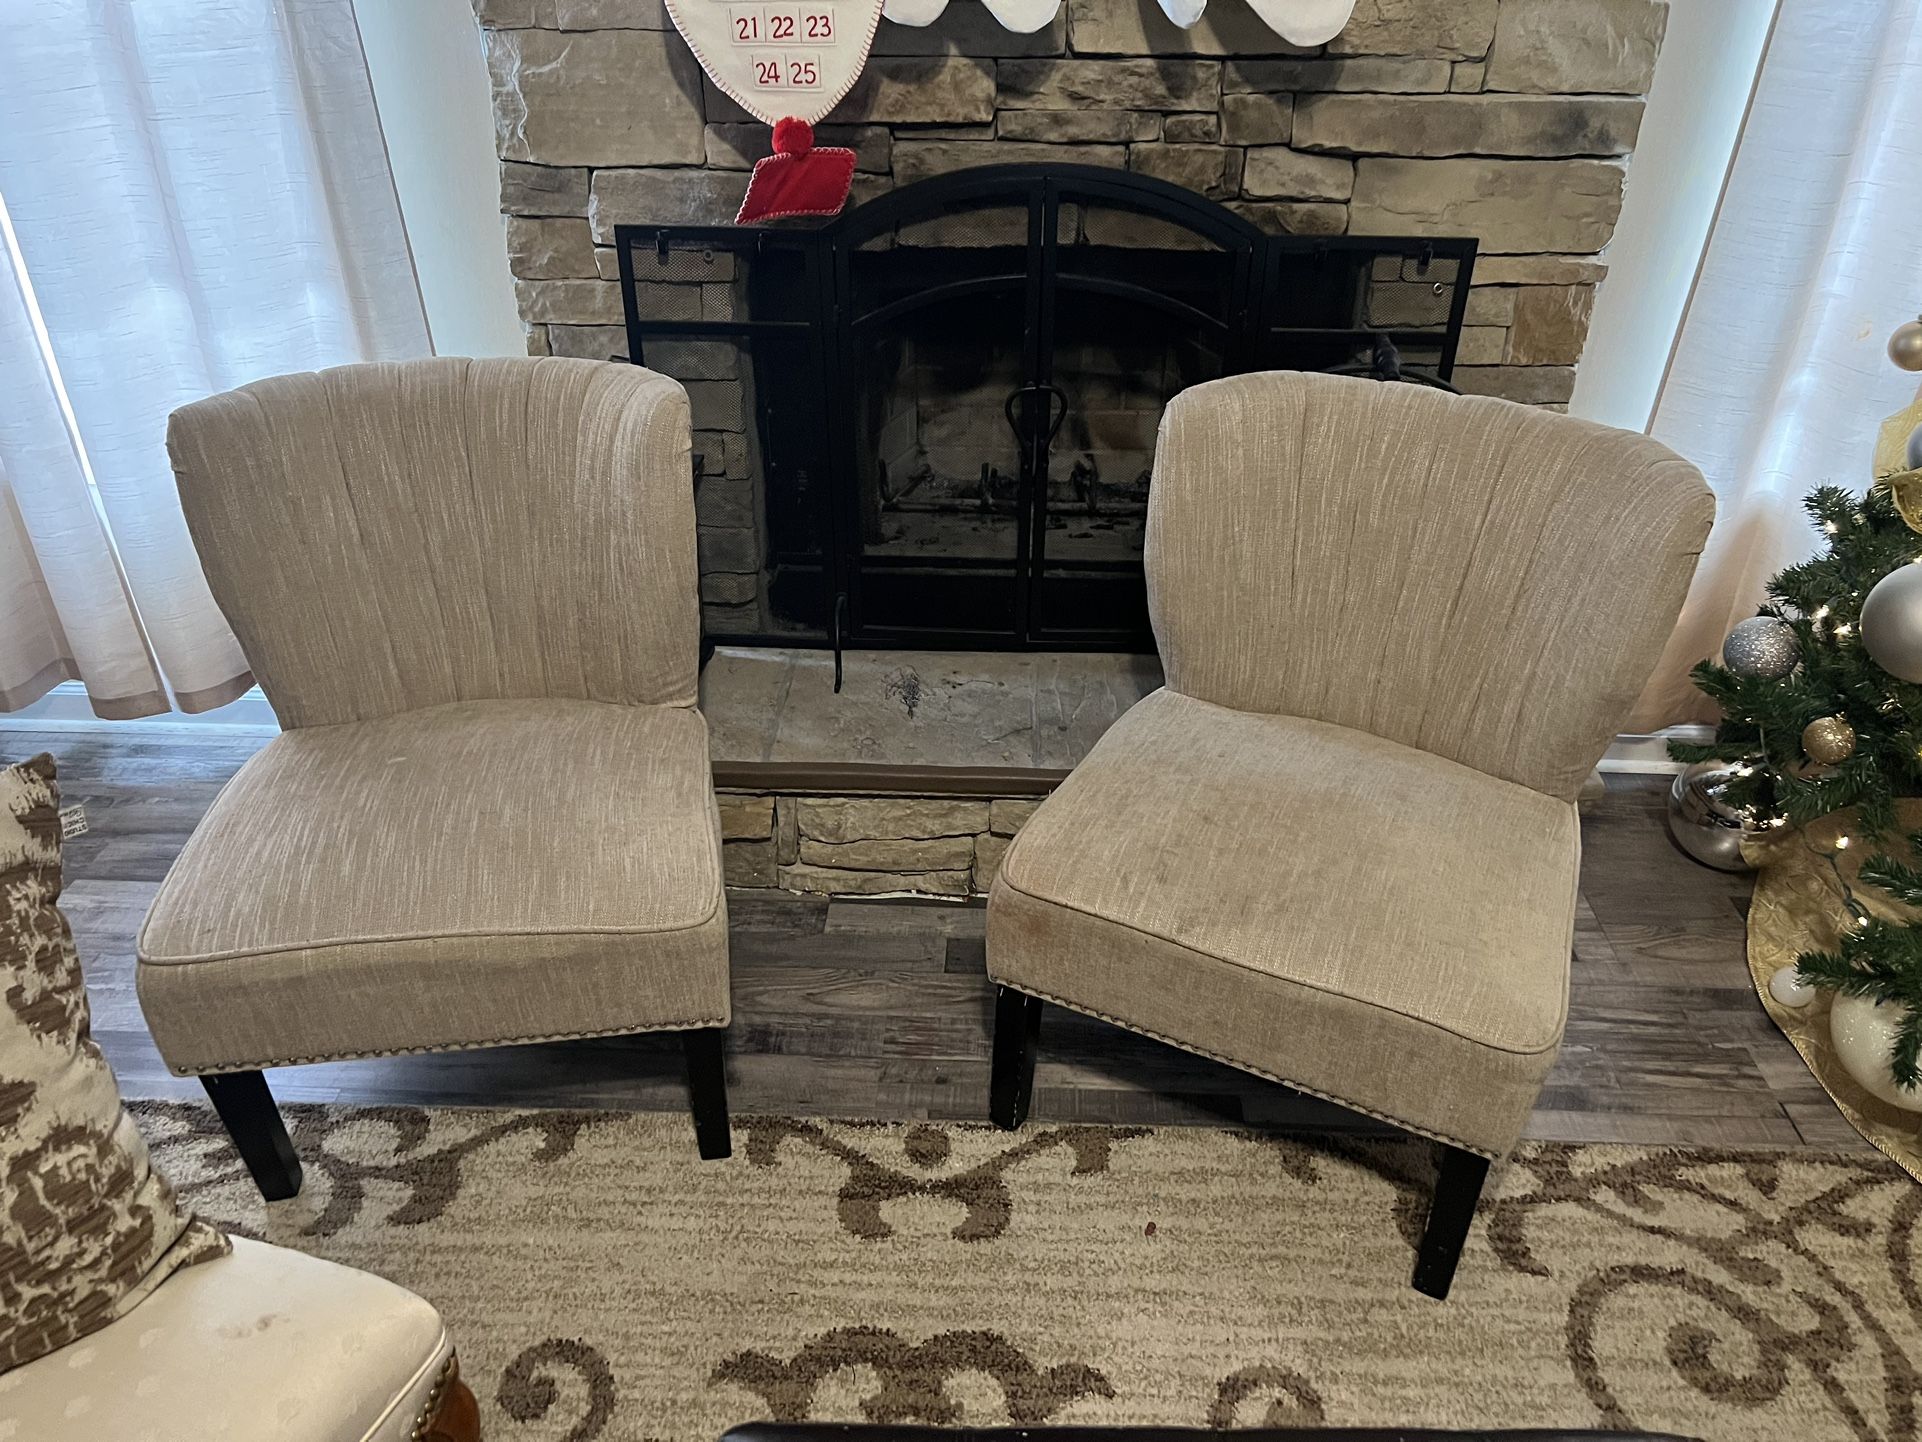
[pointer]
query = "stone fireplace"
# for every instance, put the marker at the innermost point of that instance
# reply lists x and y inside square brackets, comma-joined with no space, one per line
[1508,121]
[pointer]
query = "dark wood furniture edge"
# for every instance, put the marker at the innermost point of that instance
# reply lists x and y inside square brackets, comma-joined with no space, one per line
[845,778]
[453,1415]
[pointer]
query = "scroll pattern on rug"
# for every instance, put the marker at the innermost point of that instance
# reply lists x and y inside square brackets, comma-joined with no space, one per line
[1770,1294]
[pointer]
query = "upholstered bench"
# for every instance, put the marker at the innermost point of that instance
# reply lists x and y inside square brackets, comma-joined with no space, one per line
[265,1343]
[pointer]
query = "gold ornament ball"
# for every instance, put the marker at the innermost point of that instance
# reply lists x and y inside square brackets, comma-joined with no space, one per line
[1829,740]
[1905,346]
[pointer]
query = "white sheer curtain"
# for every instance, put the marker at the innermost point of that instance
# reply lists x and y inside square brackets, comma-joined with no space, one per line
[193,194]
[1780,380]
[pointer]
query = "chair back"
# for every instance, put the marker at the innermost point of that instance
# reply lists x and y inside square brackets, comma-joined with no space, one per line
[393,536]
[1484,581]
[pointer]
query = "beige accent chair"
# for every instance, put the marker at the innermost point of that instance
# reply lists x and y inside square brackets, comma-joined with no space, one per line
[468,588]
[1339,848]
[265,1343]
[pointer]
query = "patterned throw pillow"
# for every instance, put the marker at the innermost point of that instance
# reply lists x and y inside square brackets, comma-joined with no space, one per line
[87,1227]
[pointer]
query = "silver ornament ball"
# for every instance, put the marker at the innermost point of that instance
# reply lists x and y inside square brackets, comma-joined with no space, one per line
[1762,646]
[1913,454]
[1892,623]
[1905,346]
[1704,822]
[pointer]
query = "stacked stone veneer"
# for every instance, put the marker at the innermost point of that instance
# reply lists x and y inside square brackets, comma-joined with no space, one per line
[868,845]
[1508,120]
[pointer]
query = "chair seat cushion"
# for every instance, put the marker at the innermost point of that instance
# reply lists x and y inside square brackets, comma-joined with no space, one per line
[464,875]
[1365,921]
[264,1343]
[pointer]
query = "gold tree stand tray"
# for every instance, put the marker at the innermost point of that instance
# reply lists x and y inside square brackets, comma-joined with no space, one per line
[1798,907]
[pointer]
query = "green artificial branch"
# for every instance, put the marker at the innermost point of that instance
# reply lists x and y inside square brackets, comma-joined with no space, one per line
[1898,878]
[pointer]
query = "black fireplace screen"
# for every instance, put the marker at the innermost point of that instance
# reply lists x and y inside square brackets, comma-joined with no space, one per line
[931,421]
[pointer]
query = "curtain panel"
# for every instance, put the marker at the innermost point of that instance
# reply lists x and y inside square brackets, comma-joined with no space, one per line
[193,194]
[1780,380]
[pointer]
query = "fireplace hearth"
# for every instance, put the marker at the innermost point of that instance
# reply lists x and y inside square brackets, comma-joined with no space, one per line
[930,423]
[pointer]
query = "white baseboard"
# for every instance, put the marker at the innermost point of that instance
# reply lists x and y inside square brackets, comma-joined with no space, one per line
[1650,753]
[65,707]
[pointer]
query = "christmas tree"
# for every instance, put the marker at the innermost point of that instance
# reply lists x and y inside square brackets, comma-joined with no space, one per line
[1813,720]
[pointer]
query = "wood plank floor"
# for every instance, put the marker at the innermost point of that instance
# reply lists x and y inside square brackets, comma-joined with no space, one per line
[882,1008]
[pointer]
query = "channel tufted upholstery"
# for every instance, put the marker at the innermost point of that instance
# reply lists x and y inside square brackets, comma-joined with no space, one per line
[1484,581]
[388,537]
[468,588]
[1340,847]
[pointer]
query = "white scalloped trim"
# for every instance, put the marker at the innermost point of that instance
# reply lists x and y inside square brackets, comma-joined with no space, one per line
[1300,22]
[1023,17]
[1304,22]
[916,13]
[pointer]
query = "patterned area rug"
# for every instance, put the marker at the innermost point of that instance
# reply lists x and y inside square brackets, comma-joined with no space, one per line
[603,1283]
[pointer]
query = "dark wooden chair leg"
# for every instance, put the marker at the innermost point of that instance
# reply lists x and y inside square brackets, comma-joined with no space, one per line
[1017,1029]
[247,1110]
[707,1092]
[1457,1189]
[456,1415]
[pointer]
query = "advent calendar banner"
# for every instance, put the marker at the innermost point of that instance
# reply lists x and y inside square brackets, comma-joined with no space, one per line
[788,65]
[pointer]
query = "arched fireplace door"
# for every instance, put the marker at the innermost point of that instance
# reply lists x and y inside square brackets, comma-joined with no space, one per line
[930,422]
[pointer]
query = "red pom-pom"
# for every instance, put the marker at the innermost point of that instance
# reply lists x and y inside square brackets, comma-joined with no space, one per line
[793,137]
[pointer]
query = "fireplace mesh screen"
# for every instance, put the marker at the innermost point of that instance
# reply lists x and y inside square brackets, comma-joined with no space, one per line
[932,420]
[1408,293]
